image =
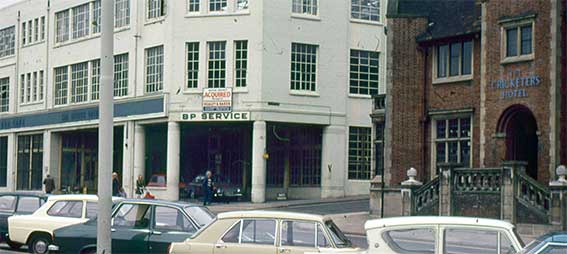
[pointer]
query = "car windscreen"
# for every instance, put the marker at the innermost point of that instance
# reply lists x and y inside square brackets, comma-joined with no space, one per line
[339,238]
[202,215]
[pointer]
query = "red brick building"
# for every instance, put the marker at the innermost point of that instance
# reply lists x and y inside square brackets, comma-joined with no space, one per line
[475,83]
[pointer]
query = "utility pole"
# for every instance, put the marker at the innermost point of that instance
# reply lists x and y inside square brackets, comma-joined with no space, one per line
[105,127]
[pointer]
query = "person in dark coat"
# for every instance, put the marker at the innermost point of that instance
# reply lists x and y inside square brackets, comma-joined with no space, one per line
[49,184]
[115,185]
[208,185]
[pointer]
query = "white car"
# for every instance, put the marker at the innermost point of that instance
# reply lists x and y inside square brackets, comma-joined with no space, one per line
[36,230]
[438,235]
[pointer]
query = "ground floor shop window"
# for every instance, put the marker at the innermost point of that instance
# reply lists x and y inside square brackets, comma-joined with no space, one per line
[295,154]
[156,150]
[30,162]
[453,140]
[359,153]
[3,161]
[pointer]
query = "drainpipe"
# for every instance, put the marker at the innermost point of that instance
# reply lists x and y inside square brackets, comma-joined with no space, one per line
[46,72]
[425,118]
[17,50]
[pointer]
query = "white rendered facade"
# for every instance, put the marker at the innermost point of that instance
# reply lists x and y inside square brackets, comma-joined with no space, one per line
[269,29]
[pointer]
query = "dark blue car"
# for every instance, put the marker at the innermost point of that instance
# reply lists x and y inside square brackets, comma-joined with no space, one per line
[552,243]
[17,203]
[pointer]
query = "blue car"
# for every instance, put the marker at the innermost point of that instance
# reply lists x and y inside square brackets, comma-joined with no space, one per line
[552,243]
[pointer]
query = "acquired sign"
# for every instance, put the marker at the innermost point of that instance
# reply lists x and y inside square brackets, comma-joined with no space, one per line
[217,100]
[516,84]
[218,116]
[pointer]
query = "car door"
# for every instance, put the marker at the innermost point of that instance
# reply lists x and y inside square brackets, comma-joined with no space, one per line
[7,209]
[249,236]
[409,240]
[169,224]
[473,240]
[298,237]
[131,228]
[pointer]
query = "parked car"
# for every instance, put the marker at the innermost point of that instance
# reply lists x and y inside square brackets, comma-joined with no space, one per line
[138,226]
[267,232]
[439,235]
[552,243]
[36,230]
[17,203]
[223,190]
[160,180]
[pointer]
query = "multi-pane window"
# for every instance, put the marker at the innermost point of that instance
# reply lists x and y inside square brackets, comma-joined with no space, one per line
[379,148]
[359,153]
[61,85]
[193,5]
[365,10]
[30,162]
[454,59]
[7,41]
[36,29]
[155,8]
[216,64]
[242,5]
[42,28]
[40,85]
[34,86]
[241,63]
[79,82]
[519,41]
[453,140]
[62,26]
[192,64]
[81,21]
[28,87]
[121,75]
[4,94]
[121,13]
[154,69]
[22,88]
[30,31]
[217,5]
[97,8]
[364,72]
[303,67]
[95,79]
[24,38]
[309,7]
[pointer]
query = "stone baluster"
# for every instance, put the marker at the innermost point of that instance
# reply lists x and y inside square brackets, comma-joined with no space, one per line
[445,188]
[408,187]
[558,209]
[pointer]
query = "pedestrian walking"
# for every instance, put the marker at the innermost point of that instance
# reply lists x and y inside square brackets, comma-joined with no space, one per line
[208,185]
[140,185]
[115,184]
[49,184]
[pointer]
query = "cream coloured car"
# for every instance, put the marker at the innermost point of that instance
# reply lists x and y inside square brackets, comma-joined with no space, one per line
[267,232]
[36,230]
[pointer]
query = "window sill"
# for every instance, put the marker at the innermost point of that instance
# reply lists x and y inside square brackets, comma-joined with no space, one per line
[7,57]
[88,37]
[517,59]
[31,103]
[216,14]
[452,79]
[304,93]
[239,90]
[366,22]
[193,91]
[33,44]
[154,21]
[306,16]
[359,96]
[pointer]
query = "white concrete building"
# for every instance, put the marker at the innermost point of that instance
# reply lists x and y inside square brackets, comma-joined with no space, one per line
[294,82]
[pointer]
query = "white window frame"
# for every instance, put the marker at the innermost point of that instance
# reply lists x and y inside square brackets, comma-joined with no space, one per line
[7,42]
[156,86]
[244,3]
[157,13]
[94,69]
[446,140]
[30,31]
[122,13]
[220,82]
[121,63]
[42,28]
[217,2]
[448,78]
[298,90]
[369,80]
[62,26]
[243,59]
[4,95]
[79,84]
[96,16]
[359,19]
[61,98]
[194,3]
[359,160]
[22,88]
[80,21]
[195,62]
[312,10]
[505,59]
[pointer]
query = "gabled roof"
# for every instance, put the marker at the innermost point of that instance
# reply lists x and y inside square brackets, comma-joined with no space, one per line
[447,18]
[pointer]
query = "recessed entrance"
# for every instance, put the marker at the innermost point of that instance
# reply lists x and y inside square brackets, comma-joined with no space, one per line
[520,127]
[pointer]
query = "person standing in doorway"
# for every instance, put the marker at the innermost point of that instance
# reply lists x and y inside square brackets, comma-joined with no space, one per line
[208,185]
[49,184]
[140,187]
[115,185]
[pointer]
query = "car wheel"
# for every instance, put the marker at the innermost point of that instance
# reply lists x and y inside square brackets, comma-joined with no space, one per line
[13,245]
[39,244]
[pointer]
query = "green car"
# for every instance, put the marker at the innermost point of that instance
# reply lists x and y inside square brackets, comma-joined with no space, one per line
[138,226]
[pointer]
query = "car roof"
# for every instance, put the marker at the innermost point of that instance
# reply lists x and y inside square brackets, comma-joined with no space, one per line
[87,197]
[271,214]
[558,237]
[24,193]
[439,220]
[159,202]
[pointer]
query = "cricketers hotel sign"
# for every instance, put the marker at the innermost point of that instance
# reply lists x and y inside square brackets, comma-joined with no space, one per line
[217,106]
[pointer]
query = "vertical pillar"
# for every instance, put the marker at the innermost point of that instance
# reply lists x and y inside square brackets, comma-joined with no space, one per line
[259,162]
[334,152]
[558,206]
[508,202]
[12,158]
[128,177]
[139,151]
[173,150]
[445,188]
[46,156]
[55,159]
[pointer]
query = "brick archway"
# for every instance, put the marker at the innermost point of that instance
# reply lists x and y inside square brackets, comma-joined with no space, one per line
[519,125]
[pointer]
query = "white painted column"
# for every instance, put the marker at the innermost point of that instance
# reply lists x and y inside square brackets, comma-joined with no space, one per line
[139,147]
[128,181]
[173,150]
[258,162]
[333,161]
[46,156]
[12,158]
[55,158]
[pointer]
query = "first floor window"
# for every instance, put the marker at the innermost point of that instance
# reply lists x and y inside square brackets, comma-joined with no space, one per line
[3,158]
[192,64]
[365,10]
[309,7]
[217,64]
[121,13]
[24,38]
[156,9]
[42,27]
[41,80]
[4,97]
[95,79]
[193,5]
[79,82]
[30,162]
[453,140]
[97,8]
[359,153]
[364,72]
[28,87]
[7,41]
[62,26]
[81,21]
[36,29]
[23,88]
[242,5]
[121,75]
[303,67]
[519,40]
[61,85]
[217,5]
[454,59]
[154,69]
[35,86]
[241,63]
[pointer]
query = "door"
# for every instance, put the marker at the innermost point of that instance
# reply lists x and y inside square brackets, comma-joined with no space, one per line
[131,228]
[298,237]
[169,225]
[249,236]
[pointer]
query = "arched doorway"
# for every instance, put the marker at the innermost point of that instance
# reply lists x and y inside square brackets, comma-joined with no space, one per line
[520,127]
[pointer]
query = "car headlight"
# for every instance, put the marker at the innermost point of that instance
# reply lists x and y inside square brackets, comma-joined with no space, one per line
[238,190]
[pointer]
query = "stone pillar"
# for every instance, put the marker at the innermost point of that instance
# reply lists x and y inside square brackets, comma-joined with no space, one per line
[46,156]
[12,158]
[558,206]
[173,150]
[408,187]
[445,188]
[333,160]
[55,159]
[139,147]
[259,162]
[509,203]
[128,177]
